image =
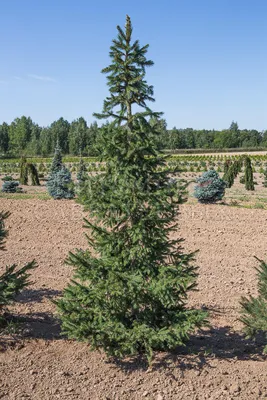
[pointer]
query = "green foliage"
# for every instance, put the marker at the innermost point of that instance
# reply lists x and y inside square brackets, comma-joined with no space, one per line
[229,177]
[231,170]
[20,132]
[32,170]
[265,177]
[4,138]
[26,169]
[210,187]
[7,178]
[242,179]
[231,173]
[131,284]
[226,166]
[78,136]
[23,178]
[81,174]
[14,279]
[3,231]
[59,133]
[57,160]
[75,137]
[249,184]
[254,309]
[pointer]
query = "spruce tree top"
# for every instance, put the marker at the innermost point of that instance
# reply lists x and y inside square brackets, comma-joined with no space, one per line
[57,160]
[126,81]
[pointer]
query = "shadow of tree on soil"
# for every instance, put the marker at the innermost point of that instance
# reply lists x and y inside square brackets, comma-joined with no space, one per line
[40,325]
[37,325]
[37,295]
[213,343]
[200,350]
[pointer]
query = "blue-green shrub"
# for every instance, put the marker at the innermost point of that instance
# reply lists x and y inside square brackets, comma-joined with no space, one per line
[11,187]
[60,185]
[210,187]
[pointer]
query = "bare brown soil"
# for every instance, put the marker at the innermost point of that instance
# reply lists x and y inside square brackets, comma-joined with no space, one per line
[219,363]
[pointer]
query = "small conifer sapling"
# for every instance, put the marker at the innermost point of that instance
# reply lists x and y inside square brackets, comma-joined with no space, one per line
[59,184]
[14,279]
[254,309]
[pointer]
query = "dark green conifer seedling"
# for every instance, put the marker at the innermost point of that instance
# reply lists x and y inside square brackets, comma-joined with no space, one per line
[14,279]
[23,179]
[265,177]
[254,309]
[81,174]
[249,184]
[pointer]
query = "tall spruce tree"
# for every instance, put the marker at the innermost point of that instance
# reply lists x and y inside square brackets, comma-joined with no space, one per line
[131,285]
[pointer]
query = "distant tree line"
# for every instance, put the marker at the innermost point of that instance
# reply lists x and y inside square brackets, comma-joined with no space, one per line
[23,136]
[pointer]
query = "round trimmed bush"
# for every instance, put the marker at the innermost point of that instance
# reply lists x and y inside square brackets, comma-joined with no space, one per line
[210,187]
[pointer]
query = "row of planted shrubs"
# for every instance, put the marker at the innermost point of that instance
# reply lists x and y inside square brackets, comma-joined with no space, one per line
[211,188]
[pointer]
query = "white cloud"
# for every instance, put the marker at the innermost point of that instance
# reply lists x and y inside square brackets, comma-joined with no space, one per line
[42,78]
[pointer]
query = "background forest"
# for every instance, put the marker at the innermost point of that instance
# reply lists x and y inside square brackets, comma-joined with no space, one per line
[77,137]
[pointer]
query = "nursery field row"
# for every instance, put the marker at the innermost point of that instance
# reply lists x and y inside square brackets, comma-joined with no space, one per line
[173,164]
[260,156]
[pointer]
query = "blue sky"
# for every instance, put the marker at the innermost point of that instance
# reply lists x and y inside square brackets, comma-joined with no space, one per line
[210,59]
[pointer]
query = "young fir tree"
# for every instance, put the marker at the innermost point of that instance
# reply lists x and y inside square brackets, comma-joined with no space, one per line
[249,184]
[132,283]
[59,184]
[81,174]
[14,279]
[254,309]
[57,160]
